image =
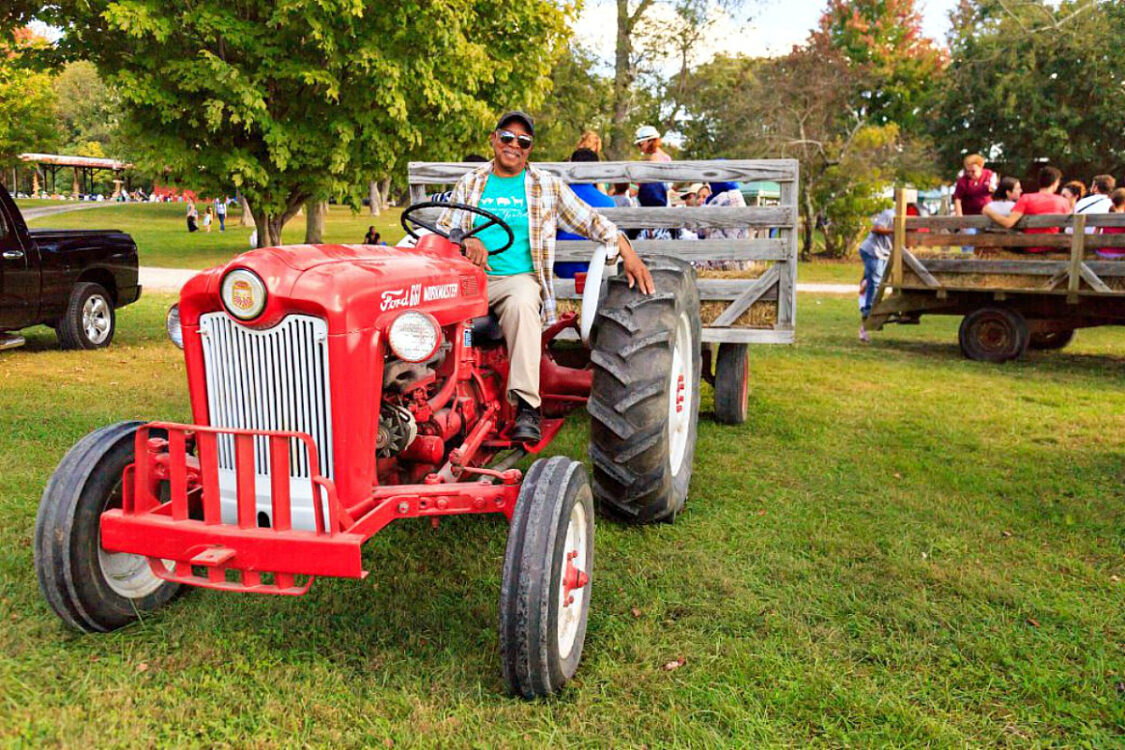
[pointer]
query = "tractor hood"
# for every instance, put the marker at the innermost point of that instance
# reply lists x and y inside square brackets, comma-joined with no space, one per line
[354,287]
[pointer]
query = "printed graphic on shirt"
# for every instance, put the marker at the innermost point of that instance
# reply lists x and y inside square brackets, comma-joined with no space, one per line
[506,197]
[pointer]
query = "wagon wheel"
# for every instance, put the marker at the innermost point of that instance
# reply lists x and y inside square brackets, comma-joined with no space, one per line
[732,383]
[90,588]
[545,595]
[994,334]
[1051,340]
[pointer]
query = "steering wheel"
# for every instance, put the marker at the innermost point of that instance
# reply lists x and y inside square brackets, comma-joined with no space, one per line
[456,235]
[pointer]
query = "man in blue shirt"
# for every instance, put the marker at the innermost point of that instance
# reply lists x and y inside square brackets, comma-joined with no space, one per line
[591,196]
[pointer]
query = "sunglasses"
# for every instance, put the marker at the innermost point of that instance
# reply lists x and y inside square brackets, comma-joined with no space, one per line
[506,137]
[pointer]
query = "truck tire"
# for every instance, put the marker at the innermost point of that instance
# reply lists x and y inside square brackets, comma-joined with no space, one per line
[1052,340]
[90,589]
[545,594]
[732,383]
[89,321]
[994,334]
[644,401]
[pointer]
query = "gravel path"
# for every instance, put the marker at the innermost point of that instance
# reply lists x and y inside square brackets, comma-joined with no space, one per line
[39,212]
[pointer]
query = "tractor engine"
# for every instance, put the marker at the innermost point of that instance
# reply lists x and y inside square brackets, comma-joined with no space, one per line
[364,349]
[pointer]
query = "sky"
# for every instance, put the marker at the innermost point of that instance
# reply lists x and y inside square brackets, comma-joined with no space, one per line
[775,26]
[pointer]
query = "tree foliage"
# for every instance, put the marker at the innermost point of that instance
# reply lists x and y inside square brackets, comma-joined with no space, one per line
[1031,80]
[87,111]
[293,101]
[580,100]
[898,67]
[27,121]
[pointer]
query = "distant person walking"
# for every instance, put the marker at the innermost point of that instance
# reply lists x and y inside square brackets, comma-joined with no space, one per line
[192,217]
[221,212]
[874,252]
[208,216]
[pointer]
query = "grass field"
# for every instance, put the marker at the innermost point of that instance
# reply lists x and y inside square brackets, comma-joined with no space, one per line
[160,231]
[899,547]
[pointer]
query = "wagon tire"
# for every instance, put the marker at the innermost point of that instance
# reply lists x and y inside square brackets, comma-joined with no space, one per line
[1051,340]
[994,334]
[90,589]
[644,400]
[89,321]
[732,383]
[545,593]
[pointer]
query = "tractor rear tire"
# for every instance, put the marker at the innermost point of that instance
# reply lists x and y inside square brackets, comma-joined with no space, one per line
[1051,341]
[545,594]
[994,334]
[644,401]
[732,383]
[90,589]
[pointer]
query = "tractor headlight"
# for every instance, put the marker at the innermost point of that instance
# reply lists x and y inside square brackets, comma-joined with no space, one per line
[172,325]
[244,294]
[414,336]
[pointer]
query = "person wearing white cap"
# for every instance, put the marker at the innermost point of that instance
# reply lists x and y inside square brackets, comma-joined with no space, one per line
[647,140]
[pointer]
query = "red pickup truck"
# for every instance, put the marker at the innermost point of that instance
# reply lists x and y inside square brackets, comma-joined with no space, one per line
[71,280]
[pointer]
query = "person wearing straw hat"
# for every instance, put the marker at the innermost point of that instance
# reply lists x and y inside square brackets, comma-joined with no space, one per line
[647,139]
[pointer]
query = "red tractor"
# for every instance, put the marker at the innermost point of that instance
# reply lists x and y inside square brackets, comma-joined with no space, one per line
[335,389]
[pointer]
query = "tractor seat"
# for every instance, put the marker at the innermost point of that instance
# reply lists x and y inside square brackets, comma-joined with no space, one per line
[486,331]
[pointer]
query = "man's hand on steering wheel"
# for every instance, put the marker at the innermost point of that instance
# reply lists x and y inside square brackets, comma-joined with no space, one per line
[476,252]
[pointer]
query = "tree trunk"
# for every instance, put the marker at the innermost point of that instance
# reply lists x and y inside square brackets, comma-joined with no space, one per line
[247,218]
[385,192]
[810,228]
[269,225]
[315,212]
[374,201]
[622,83]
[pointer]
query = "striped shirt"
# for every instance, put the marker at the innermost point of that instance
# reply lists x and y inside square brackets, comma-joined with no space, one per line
[551,204]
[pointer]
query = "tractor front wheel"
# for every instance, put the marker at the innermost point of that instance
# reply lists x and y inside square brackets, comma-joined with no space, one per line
[545,594]
[90,588]
[644,400]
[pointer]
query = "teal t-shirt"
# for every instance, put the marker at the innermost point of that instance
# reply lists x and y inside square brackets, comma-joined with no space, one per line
[507,198]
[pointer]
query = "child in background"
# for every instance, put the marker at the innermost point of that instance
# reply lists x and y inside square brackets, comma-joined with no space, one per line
[1115,253]
[207,217]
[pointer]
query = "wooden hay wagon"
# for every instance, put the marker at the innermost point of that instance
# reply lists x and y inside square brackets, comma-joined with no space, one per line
[755,304]
[1011,300]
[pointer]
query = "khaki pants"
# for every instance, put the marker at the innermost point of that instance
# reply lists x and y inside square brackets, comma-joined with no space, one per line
[515,300]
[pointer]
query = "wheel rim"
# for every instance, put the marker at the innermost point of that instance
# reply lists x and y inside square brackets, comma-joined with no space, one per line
[95,319]
[573,581]
[126,574]
[995,336]
[680,394]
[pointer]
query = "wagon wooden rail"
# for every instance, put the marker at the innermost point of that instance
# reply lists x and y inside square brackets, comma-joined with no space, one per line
[1011,300]
[774,258]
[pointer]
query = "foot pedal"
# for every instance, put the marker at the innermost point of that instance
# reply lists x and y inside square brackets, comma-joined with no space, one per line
[11,341]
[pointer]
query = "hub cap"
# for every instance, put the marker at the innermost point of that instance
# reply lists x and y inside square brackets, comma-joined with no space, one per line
[680,407]
[95,319]
[128,575]
[573,588]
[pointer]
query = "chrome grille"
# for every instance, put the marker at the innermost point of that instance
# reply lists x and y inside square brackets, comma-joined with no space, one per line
[273,379]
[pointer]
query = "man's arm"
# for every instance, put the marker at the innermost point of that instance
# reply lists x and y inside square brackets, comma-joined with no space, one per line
[1008,221]
[957,210]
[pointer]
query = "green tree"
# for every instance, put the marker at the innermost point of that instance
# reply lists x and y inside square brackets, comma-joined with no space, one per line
[1032,81]
[27,121]
[580,100]
[297,101]
[899,68]
[87,110]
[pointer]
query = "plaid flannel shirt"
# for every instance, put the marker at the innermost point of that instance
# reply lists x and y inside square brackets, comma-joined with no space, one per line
[551,204]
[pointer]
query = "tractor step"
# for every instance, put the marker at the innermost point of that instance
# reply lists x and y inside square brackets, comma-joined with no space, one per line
[11,341]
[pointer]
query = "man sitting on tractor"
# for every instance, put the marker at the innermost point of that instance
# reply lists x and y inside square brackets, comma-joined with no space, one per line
[520,279]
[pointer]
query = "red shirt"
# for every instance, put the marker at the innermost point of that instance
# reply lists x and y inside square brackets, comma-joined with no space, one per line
[1033,204]
[1112,252]
[974,194]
